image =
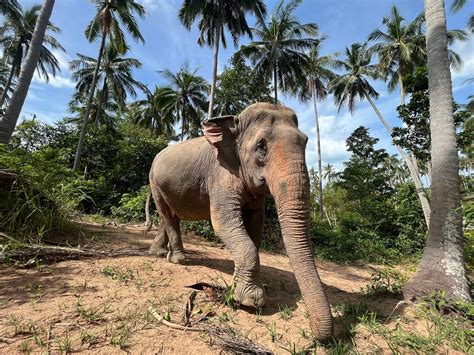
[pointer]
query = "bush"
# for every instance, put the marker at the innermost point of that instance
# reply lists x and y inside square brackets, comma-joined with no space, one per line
[201,228]
[131,207]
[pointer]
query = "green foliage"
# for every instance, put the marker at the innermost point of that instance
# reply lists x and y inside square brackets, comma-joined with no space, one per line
[200,228]
[386,281]
[131,207]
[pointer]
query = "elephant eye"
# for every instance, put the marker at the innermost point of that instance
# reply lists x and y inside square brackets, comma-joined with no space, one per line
[261,146]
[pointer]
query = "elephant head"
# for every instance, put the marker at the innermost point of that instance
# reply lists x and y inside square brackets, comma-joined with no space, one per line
[264,147]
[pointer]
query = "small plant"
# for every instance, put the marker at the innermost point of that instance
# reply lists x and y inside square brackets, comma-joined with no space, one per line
[285,311]
[90,314]
[25,347]
[291,348]
[273,332]
[89,338]
[120,336]
[224,317]
[302,333]
[118,274]
[386,282]
[64,345]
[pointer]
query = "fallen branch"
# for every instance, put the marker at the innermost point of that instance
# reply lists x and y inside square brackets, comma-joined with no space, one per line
[163,321]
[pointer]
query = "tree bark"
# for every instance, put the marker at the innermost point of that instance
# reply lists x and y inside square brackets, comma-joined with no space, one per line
[103,98]
[8,123]
[320,166]
[85,119]
[7,85]
[275,83]
[425,205]
[442,264]
[214,73]
[402,89]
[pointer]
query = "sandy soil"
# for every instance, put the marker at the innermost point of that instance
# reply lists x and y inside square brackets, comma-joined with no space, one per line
[100,305]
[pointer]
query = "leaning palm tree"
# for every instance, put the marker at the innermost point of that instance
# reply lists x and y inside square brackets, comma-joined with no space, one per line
[442,264]
[108,21]
[318,74]
[400,48]
[9,120]
[353,84]
[190,96]
[115,76]
[155,111]
[281,46]
[16,37]
[214,17]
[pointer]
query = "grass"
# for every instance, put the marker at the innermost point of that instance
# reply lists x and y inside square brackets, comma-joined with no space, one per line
[285,311]
[123,275]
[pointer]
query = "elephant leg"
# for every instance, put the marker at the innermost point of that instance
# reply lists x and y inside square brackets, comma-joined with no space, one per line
[176,253]
[160,243]
[253,222]
[228,223]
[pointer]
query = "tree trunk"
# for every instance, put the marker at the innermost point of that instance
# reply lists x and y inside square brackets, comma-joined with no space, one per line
[402,89]
[214,73]
[90,100]
[103,98]
[442,265]
[275,83]
[320,166]
[8,123]
[7,85]
[425,205]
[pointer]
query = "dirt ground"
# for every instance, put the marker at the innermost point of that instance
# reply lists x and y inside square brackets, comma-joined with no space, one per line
[101,305]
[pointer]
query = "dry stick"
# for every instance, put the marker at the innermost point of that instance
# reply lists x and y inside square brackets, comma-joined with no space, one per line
[163,321]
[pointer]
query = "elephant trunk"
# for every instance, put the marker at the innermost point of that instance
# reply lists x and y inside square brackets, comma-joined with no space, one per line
[290,188]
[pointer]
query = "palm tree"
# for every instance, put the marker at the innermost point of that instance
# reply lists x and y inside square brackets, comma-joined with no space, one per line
[400,48]
[353,84]
[214,17]
[8,123]
[318,74]
[10,8]
[459,4]
[329,173]
[115,73]
[442,264]
[16,37]
[190,97]
[155,112]
[280,49]
[111,15]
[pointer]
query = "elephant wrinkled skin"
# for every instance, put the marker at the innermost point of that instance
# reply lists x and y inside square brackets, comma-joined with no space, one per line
[225,176]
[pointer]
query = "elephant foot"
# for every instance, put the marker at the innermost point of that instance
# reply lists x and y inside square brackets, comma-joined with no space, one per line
[158,251]
[176,258]
[249,295]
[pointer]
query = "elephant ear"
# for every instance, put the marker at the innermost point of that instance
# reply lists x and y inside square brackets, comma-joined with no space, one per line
[220,132]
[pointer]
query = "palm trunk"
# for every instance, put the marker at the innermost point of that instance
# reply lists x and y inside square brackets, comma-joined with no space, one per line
[425,205]
[7,85]
[275,83]
[214,73]
[402,89]
[442,264]
[103,98]
[183,124]
[8,123]
[320,166]
[85,119]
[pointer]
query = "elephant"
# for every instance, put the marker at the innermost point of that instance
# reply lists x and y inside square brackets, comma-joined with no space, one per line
[224,177]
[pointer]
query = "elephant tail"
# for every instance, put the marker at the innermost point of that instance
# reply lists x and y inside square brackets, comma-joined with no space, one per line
[148,221]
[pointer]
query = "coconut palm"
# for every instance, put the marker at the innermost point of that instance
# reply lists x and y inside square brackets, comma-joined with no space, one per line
[9,120]
[318,74]
[442,264]
[114,76]
[190,97]
[281,46]
[155,111]
[353,84]
[456,5]
[214,17]
[16,36]
[108,21]
[10,8]
[400,48]
[329,173]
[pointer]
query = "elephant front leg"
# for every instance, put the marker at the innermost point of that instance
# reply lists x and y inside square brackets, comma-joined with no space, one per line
[228,223]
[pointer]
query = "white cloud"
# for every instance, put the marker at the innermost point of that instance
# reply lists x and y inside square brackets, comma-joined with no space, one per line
[466,51]
[57,81]
[165,5]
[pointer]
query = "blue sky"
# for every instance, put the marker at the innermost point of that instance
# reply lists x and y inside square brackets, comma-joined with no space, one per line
[168,45]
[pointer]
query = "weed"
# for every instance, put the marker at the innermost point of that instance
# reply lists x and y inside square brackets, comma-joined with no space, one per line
[90,314]
[224,317]
[64,345]
[386,282]
[285,311]
[89,338]
[25,347]
[118,274]
[120,336]
[291,348]
[273,332]
[302,333]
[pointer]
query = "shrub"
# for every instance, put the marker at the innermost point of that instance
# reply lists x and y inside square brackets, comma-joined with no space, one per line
[131,207]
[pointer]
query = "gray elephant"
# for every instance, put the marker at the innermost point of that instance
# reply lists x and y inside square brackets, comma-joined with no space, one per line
[225,176]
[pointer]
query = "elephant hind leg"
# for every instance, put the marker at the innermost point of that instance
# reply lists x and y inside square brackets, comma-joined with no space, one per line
[168,240]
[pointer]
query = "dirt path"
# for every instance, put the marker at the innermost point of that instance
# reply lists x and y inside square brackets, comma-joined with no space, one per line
[100,305]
